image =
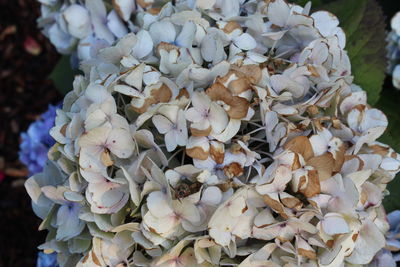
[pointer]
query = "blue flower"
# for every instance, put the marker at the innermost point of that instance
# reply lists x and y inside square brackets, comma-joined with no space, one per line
[47,260]
[37,141]
[393,236]
[388,256]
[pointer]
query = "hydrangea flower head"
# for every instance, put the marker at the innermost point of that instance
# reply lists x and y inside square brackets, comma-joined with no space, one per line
[82,27]
[221,133]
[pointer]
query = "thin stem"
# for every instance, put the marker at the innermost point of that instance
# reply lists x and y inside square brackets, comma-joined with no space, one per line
[255,124]
[248,174]
[256,130]
[264,153]
[264,160]
[258,139]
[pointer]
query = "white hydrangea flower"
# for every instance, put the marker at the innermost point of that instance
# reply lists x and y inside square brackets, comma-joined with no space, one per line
[76,26]
[215,133]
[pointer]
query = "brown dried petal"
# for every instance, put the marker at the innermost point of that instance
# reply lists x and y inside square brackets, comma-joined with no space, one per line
[239,85]
[296,162]
[95,259]
[273,204]
[143,3]
[167,47]
[292,203]
[339,158]
[307,253]
[63,129]
[160,95]
[233,170]
[252,72]
[183,93]
[238,105]
[117,8]
[324,164]
[301,145]
[197,153]
[199,133]
[380,150]
[231,26]
[313,186]
[154,10]
[217,151]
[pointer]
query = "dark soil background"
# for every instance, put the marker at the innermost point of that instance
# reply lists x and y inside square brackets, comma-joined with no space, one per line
[25,92]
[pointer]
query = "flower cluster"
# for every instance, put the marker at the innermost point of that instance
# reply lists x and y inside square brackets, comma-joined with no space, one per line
[223,132]
[37,141]
[392,235]
[389,255]
[84,26]
[393,50]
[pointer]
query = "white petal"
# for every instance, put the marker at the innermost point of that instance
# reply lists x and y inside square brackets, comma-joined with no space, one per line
[278,12]
[98,15]
[144,45]
[162,32]
[245,42]
[115,24]
[125,8]
[158,205]
[211,196]
[170,141]
[230,131]
[185,38]
[187,210]
[120,143]
[162,124]
[127,90]
[325,22]
[78,21]
[334,223]
[96,93]
[218,118]
[369,241]
[193,115]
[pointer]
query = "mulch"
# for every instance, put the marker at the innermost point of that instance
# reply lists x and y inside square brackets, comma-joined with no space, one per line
[26,60]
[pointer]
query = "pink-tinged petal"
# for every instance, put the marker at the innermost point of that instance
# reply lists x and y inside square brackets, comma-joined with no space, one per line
[120,143]
[32,46]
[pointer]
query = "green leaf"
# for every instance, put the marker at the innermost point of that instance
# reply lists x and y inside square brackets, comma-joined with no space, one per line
[389,103]
[63,75]
[364,25]
[391,202]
